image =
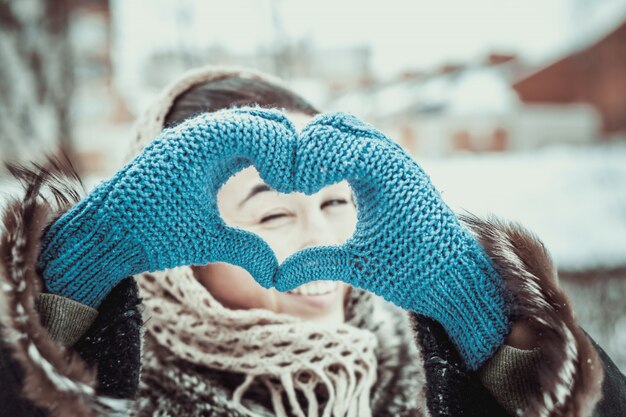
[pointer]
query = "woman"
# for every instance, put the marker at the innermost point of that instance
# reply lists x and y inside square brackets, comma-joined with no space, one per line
[488,330]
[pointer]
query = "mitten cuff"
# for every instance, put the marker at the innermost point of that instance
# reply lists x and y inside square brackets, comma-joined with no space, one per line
[88,271]
[470,301]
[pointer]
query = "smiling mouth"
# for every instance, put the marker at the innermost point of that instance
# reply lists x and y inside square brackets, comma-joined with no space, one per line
[316,288]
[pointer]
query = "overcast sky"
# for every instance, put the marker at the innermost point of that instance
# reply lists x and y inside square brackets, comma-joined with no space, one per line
[402,34]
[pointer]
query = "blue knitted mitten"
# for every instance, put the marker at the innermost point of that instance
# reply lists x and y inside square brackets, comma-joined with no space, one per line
[408,247]
[160,210]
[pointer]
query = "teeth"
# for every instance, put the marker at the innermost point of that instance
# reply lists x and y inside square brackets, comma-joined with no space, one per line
[316,288]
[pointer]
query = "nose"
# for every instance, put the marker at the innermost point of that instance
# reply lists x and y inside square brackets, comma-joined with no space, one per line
[316,230]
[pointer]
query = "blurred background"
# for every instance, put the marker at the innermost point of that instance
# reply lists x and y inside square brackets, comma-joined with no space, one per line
[514,108]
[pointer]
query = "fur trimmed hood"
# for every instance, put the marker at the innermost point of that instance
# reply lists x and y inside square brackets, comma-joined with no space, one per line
[52,378]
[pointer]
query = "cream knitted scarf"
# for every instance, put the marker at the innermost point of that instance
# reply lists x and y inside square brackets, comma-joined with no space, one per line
[288,355]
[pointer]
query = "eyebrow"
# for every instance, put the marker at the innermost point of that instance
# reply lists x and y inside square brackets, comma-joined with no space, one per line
[259,188]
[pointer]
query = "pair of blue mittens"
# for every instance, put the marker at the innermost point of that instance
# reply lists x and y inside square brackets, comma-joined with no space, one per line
[160,211]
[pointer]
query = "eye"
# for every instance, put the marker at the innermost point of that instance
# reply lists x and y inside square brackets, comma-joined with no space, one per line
[272,217]
[334,202]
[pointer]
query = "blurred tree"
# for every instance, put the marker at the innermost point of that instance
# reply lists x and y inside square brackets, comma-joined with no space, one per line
[36,78]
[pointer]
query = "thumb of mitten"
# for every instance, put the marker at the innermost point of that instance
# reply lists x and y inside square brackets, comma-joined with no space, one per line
[334,263]
[247,250]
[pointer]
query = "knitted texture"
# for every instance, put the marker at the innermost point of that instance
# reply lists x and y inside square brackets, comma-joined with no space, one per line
[160,210]
[408,247]
[151,122]
[65,320]
[512,376]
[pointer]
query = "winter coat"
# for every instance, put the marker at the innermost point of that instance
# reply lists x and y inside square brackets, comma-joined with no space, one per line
[100,375]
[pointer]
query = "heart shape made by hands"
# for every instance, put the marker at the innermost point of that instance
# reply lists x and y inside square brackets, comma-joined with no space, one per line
[390,189]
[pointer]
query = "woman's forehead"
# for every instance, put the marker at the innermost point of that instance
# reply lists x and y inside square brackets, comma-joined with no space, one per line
[240,184]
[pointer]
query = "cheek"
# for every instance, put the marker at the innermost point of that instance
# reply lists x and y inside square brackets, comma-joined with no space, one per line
[234,287]
[344,223]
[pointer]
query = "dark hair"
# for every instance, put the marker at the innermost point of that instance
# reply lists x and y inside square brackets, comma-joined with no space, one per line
[232,90]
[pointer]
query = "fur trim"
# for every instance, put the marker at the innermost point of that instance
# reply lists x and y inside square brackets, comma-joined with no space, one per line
[55,379]
[571,380]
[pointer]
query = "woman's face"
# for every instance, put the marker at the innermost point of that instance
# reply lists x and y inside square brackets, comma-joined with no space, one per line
[288,223]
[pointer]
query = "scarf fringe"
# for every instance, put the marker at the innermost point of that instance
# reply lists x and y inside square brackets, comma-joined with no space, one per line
[343,386]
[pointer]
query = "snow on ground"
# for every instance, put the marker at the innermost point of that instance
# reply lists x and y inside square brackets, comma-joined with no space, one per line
[574,198]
